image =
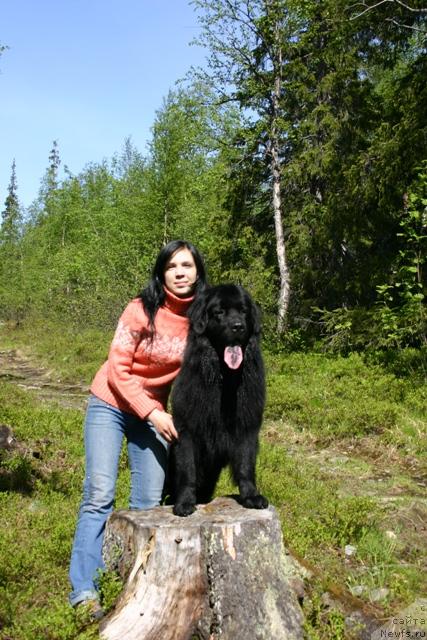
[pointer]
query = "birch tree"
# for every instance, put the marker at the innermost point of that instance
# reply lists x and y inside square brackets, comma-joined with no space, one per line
[247,43]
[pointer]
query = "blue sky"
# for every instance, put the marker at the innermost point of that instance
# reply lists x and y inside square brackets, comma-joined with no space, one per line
[88,73]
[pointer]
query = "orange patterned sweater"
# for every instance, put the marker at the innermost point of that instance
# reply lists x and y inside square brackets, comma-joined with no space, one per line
[138,375]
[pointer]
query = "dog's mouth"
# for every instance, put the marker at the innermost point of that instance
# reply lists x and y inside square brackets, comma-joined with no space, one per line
[233,356]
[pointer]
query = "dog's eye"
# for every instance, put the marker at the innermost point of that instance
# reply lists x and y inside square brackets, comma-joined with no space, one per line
[218,313]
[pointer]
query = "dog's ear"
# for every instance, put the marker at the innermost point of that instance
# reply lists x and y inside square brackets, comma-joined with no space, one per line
[198,314]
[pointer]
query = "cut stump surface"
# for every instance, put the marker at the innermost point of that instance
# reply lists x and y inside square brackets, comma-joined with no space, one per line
[220,573]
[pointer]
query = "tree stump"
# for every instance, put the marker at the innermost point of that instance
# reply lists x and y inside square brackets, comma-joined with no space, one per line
[220,573]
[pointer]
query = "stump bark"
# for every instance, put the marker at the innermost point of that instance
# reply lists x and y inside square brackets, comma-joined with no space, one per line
[220,573]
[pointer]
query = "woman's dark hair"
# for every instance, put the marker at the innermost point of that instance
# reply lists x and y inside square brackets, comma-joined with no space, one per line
[153,296]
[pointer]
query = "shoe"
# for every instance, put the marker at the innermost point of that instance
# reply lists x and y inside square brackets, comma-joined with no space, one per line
[90,609]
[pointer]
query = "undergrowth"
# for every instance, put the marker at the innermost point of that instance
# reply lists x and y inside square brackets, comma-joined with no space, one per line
[315,403]
[40,490]
[344,397]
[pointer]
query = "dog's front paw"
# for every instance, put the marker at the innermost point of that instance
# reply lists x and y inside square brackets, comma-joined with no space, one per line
[184,509]
[254,502]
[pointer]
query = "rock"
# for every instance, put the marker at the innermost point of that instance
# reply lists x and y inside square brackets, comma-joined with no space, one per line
[327,601]
[7,439]
[298,587]
[358,625]
[350,550]
[377,595]
[390,535]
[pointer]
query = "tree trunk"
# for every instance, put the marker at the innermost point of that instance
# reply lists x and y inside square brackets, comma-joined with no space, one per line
[276,172]
[219,573]
[285,288]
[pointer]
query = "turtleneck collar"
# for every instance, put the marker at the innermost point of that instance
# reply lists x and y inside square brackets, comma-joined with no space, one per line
[179,306]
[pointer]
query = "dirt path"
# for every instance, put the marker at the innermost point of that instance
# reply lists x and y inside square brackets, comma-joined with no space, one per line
[17,368]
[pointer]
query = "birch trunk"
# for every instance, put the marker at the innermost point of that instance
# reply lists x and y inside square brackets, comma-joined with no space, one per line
[285,287]
[276,171]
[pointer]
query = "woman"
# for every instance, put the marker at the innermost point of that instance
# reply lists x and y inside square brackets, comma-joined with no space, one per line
[128,398]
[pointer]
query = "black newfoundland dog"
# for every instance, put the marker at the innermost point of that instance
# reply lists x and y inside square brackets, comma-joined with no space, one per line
[218,400]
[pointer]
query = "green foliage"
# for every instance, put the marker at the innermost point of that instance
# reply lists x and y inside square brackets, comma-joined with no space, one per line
[11,215]
[324,624]
[398,319]
[314,515]
[35,548]
[40,484]
[11,298]
[40,490]
[406,363]
[188,178]
[16,473]
[82,256]
[350,126]
[333,398]
[401,310]
[74,352]
[351,130]
[110,587]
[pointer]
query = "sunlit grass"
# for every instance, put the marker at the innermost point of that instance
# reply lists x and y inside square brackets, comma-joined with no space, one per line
[341,457]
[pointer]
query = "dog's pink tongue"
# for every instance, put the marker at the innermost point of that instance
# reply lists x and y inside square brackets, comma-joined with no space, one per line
[233,357]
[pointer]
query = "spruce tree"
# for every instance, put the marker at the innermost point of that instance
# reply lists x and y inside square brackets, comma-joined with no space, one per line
[11,214]
[11,295]
[51,181]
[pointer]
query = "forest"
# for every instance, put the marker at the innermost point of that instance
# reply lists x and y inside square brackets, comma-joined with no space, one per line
[296,161]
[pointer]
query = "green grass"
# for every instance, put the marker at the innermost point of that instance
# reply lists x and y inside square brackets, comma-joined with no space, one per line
[335,397]
[40,490]
[320,515]
[342,455]
[75,354]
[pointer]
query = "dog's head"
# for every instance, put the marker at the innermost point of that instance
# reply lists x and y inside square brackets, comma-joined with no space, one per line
[228,317]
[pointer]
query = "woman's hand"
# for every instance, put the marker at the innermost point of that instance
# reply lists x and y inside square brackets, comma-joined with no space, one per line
[163,424]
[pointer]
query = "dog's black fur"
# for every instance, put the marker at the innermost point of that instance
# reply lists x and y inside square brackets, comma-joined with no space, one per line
[217,410]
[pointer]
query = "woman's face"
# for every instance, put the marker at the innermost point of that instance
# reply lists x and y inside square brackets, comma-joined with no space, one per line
[181,273]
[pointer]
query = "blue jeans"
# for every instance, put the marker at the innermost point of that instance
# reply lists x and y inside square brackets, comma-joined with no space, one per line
[105,427]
